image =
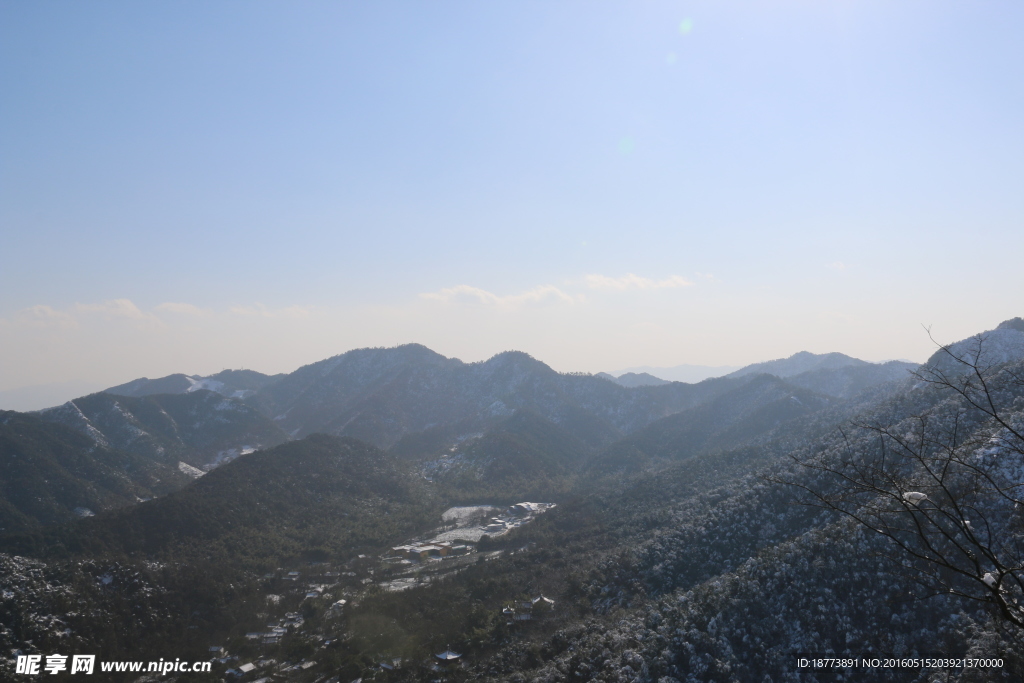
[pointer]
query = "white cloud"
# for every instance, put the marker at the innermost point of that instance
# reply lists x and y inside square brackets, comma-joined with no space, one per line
[184,309]
[632,281]
[838,265]
[114,308]
[125,310]
[541,294]
[261,311]
[44,316]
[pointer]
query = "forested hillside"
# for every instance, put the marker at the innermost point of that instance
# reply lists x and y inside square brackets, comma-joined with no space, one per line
[201,428]
[50,474]
[759,520]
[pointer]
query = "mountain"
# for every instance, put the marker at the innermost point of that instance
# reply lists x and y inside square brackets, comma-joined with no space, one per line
[685,546]
[993,347]
[691,374]
[381,395]
[201,428]
[44,395]
[851,380]
[801,362]
[721,558]
[633,379]
[51,474]
[736,417]
[231,383]
[319,495]
[832,374]
[181,572]
[522,457]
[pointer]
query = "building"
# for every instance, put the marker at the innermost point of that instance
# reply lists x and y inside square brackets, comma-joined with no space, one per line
[448,658]
[528,509]
[540,604]
[528,610]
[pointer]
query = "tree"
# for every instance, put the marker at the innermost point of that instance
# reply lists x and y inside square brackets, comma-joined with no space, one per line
[944,486]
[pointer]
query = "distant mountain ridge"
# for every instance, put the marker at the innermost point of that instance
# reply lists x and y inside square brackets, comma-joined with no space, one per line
[675,551]
[848,381]
[634,379]
[231,383]
[832,374]
[803,361]
[26,399]
[381,395]
[691,374]
[200,428]
[747,412]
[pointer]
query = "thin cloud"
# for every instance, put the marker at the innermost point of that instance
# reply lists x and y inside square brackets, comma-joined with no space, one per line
[115,308]
[261,311]
[184,309]
[466,294]
[125,311]
[633,281]
[44,316]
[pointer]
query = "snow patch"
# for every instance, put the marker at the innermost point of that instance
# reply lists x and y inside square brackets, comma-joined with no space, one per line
[197,383]
[226,456]
[187,469]
[463,515]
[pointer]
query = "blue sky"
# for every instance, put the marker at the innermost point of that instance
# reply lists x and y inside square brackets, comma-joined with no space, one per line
[190,186]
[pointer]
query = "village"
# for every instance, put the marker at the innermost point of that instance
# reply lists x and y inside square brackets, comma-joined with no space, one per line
[462,530]
[319,593]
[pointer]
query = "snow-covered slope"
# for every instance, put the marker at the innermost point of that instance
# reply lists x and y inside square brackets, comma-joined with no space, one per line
[1002,345]
[201,428]
[231,383]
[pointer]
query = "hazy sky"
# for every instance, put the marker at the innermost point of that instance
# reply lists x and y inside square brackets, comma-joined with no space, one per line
[189,186]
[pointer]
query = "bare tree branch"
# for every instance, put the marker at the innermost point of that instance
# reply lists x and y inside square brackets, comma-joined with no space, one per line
[936,485]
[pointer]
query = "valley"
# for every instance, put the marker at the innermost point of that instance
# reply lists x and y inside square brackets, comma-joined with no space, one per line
[394,515]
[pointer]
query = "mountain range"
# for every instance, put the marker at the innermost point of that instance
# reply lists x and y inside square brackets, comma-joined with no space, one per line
[681,549]
[453,418]
[52,474]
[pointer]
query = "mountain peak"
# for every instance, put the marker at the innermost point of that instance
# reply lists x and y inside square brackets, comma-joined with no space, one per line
[800,362]
[516,358]
[1012,324]
[404,353]
[634,379]
[994,347]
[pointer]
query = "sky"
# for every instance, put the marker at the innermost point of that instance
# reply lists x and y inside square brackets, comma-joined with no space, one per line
[193,186]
